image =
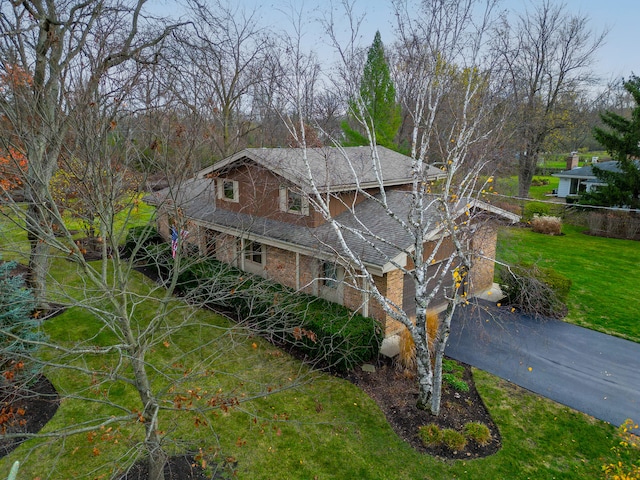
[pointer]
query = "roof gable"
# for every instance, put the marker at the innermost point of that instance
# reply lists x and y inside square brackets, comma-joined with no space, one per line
[332,168]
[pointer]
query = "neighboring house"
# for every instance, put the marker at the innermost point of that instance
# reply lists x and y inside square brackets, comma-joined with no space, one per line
[575,181]
[253,210]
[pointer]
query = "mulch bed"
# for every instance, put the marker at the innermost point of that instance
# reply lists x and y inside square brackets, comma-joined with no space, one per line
[25,410]
[179,467]
[396,394]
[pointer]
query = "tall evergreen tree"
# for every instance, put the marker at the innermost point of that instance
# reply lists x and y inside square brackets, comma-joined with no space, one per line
[376,106]
[622,141]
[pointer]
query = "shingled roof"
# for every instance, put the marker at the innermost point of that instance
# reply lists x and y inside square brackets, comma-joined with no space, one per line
[380,239]
[332,168]
[587,170]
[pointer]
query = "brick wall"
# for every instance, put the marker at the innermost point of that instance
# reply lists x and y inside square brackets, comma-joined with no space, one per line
[483,243]
[281,266]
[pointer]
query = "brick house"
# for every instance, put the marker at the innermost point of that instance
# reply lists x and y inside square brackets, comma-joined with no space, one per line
[253,210]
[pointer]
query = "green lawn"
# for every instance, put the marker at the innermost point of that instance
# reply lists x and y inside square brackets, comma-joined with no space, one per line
[604,293]
[509,186]
[322,427]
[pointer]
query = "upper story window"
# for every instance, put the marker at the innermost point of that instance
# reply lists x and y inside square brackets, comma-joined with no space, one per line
[293,202]
[228,190]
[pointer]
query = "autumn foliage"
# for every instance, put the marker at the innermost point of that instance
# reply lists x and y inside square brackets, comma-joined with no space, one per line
[12,167]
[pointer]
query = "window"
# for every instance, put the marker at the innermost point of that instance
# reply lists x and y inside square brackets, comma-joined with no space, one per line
[293,202]
[254,252]
[228,190]
[329,275]
[211,242]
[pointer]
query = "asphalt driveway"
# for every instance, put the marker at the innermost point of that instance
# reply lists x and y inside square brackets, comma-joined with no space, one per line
[592,372]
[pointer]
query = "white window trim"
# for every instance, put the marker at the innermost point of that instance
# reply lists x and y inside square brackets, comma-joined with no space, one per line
[247,254]
[284,202]
[236,191]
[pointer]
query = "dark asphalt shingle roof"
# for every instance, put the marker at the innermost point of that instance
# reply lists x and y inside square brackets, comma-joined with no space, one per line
[377,237]
[335,168]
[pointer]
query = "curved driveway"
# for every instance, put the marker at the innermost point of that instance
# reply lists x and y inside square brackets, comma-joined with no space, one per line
[592,372]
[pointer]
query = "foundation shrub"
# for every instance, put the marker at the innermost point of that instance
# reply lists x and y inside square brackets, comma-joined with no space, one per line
[322,330]
[139,236]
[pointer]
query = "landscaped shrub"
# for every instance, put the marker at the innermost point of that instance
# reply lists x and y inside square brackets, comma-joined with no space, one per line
[547,225]
[478,432]
[18,344]
[322,330]
[453,439]
[615,224]
[138,236]
[430,434]
[535,290]
[534,208]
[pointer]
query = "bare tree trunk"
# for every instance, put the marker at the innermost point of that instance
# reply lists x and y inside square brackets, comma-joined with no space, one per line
[157,455]
[526,170]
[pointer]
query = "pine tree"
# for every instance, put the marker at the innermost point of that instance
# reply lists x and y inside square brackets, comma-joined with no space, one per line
[377,104]
[622,141]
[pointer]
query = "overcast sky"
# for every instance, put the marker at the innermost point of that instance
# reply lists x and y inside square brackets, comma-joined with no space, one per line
[618,57]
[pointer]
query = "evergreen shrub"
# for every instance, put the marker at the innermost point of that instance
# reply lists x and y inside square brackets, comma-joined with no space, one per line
[532,209]
[20,328]
[453,439]
[322,330]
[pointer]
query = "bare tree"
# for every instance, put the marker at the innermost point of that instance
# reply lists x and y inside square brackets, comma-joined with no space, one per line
[76,107]
[219,62]
[143,339]
[547,53]
[442,50]
[57,48]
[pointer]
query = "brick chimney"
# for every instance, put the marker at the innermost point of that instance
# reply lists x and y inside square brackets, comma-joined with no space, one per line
[572,161]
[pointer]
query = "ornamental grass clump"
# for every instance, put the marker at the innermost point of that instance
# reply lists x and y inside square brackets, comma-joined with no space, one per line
[406,359]
[547,225]
[430,434]
[453,439]
[478,432]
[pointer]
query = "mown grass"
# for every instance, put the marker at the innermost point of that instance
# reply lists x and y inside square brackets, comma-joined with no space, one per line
[315,426]
[323,427]
[602,270]
[509,186]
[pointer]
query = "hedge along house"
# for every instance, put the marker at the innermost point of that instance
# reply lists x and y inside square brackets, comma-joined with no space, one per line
[253,210]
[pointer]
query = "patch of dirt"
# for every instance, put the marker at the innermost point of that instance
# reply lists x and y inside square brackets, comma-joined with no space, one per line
[396,394]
